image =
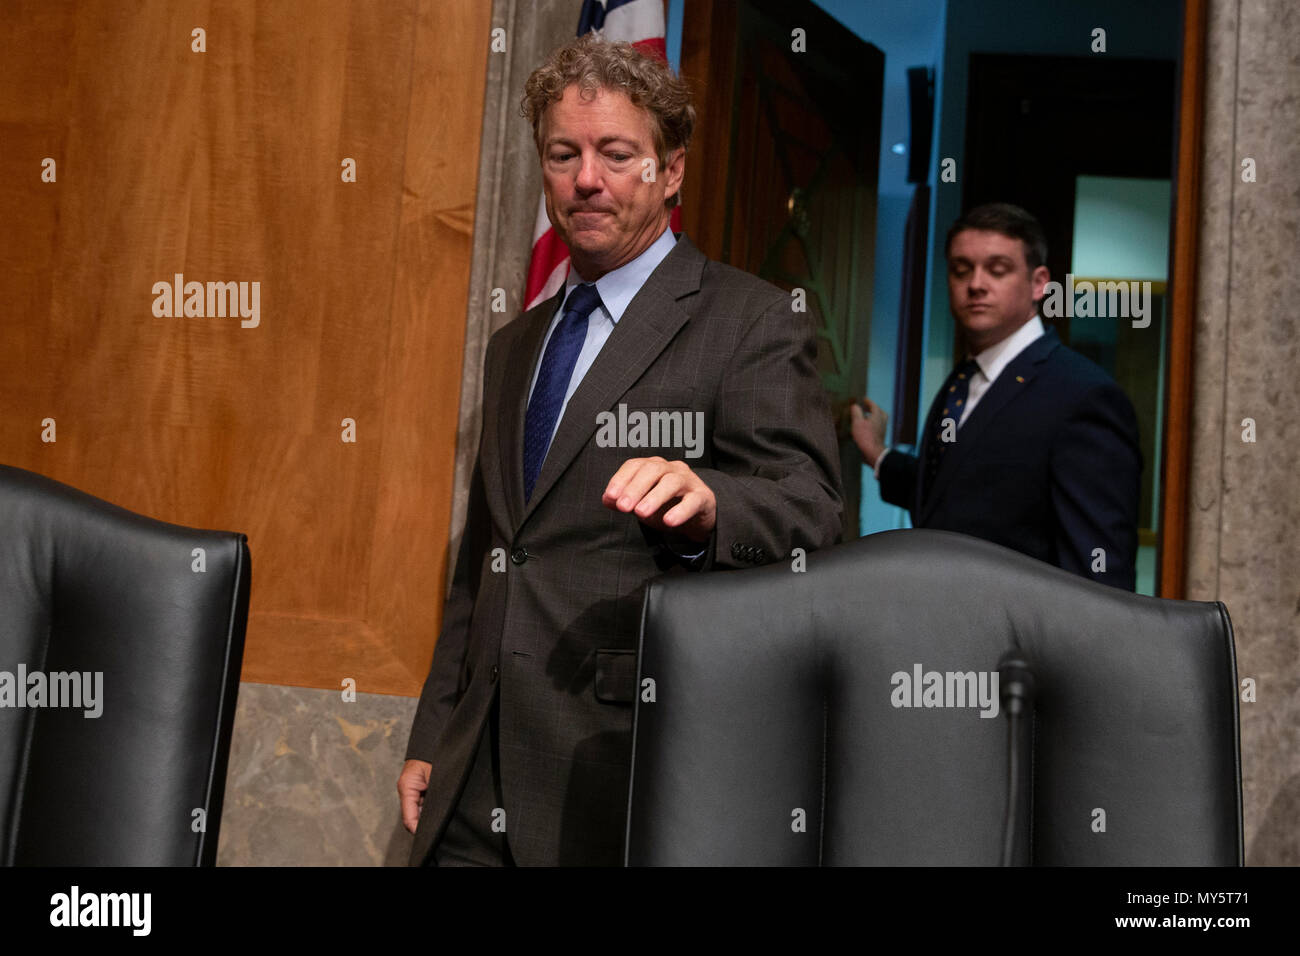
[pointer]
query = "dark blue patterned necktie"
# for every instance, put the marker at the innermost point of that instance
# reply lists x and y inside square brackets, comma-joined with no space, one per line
[553,380]
[950,404]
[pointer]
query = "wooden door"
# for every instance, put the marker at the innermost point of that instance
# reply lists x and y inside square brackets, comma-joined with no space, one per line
[781,178]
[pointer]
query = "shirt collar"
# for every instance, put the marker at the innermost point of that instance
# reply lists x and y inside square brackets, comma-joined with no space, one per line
[618,287]
[998,356]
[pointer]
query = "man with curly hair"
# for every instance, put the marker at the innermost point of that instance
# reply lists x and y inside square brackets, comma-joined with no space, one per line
[521,746]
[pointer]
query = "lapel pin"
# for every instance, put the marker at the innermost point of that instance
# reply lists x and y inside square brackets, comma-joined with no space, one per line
[1020,379]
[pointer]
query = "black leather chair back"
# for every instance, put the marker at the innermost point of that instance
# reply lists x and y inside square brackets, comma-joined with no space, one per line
[88,588]
[777,732]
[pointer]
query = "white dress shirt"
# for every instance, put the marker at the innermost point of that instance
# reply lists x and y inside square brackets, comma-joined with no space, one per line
[992,361]
[997,357]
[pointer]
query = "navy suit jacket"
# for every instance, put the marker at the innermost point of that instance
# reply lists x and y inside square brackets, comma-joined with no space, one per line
[1048,464]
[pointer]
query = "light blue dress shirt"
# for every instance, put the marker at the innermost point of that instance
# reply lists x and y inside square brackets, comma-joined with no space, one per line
[617,290]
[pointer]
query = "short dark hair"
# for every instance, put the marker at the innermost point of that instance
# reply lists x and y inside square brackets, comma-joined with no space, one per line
[1007,220]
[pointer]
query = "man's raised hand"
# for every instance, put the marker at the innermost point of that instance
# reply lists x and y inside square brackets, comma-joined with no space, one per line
[665,495]
[868,430]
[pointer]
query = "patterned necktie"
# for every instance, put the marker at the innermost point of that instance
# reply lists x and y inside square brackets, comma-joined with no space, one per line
[951,402]
[553,380]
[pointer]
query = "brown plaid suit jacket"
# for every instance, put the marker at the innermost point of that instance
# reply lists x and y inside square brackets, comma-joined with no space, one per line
[556,631]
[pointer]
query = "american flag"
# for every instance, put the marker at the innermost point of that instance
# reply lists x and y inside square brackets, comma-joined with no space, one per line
[641,23]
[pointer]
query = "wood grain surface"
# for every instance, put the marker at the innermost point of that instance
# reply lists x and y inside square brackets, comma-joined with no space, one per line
[225,166]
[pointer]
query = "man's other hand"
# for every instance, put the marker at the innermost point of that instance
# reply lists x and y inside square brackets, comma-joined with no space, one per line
[868,430]
[411,784]
[665,495]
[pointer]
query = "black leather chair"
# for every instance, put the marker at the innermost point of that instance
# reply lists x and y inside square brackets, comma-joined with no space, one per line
[777,732]
[89,588]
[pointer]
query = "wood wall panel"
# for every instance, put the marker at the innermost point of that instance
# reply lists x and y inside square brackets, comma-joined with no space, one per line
[1175,506]
[225,166]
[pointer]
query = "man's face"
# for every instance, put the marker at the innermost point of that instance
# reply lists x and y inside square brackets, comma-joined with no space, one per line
[990,288]
[602,196]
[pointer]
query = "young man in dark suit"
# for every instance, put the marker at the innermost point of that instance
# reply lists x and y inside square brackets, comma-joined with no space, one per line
[1028,444]
[521,745]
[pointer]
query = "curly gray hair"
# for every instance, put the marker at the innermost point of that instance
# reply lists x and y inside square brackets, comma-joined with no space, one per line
[593,64]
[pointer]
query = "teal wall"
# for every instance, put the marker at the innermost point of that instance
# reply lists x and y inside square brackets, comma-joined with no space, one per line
[1121,228]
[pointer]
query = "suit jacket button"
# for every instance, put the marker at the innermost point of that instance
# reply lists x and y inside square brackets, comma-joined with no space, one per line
[736,549]
[759,555]
[494,673]
[518,555]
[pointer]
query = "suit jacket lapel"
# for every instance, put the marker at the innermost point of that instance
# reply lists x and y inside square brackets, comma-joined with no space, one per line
[521,358]
[1010,383]
[649,323]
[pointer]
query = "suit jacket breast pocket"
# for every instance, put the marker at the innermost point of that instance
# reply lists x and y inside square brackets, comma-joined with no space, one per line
[616,676]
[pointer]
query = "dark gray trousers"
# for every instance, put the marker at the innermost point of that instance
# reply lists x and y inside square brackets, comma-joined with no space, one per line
[469,839]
